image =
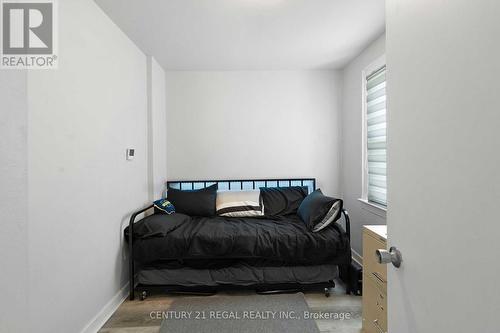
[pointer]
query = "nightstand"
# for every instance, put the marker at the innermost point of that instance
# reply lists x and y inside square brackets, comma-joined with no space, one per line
[374,280]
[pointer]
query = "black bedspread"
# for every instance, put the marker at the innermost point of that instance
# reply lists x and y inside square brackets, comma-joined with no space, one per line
[284,240]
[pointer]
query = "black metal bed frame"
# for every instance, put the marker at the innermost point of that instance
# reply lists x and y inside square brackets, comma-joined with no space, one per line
[231,185]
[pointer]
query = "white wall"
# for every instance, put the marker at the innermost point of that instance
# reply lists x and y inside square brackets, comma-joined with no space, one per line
[254,124]
[157,133]
[351,146]
[444,180]
[13,194]
[66,132]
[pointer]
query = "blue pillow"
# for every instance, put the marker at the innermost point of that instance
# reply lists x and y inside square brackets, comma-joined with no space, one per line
[163,206]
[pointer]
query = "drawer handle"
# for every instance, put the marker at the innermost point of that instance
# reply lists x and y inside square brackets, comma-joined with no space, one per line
[378,277]
[377,326]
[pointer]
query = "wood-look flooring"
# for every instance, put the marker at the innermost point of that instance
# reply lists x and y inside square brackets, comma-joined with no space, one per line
[134,316]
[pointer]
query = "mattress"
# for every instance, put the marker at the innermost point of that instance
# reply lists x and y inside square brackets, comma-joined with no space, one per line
[285,240]
[241,274]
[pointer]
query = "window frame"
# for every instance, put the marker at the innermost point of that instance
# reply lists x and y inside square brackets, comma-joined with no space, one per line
[371,68]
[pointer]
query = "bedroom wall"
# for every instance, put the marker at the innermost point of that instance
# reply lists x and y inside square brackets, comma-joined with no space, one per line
[351,144]
[82,117]
[254,124]
[13,193]
[157,130]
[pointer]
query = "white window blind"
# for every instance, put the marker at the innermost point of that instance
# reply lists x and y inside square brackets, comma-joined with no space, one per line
[376,141]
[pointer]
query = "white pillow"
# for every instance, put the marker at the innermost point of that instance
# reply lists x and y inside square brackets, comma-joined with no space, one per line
[239,203]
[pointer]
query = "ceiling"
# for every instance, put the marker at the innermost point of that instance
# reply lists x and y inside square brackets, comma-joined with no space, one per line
[249,34]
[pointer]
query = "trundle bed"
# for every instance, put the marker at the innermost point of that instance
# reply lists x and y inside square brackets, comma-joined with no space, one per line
[182,253]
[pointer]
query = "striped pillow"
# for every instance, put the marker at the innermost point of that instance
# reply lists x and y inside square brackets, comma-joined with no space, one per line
[238,203]
[332,216]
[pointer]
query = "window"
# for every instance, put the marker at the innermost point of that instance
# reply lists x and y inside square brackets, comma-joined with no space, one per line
[375,134]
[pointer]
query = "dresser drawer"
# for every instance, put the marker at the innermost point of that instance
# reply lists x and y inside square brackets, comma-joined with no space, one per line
[374,308]
[371,267]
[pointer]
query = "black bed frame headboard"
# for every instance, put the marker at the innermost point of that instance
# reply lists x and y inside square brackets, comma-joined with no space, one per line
[242,184]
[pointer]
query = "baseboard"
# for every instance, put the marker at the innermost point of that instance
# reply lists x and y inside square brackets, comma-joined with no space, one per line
[100,319]
[357,257]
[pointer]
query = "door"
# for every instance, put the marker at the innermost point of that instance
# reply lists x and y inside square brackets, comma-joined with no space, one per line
[443,88]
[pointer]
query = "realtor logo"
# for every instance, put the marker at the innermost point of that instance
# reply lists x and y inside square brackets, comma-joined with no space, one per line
[28,34]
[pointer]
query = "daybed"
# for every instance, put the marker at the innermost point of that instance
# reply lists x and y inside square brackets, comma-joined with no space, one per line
[198,254]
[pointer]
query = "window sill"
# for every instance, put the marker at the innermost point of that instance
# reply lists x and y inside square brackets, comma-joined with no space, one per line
[373,208]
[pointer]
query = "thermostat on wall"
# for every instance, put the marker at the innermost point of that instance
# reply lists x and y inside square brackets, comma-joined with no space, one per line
[130,154]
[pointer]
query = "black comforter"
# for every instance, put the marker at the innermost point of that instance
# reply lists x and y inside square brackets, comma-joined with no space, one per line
[284,240]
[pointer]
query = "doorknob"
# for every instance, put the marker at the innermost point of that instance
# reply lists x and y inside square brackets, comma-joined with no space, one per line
[393,256]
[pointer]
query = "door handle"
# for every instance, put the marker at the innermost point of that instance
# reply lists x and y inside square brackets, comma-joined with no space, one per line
[393,256]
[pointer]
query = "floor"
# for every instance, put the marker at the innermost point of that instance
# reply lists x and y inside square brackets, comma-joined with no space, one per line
[134,316]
